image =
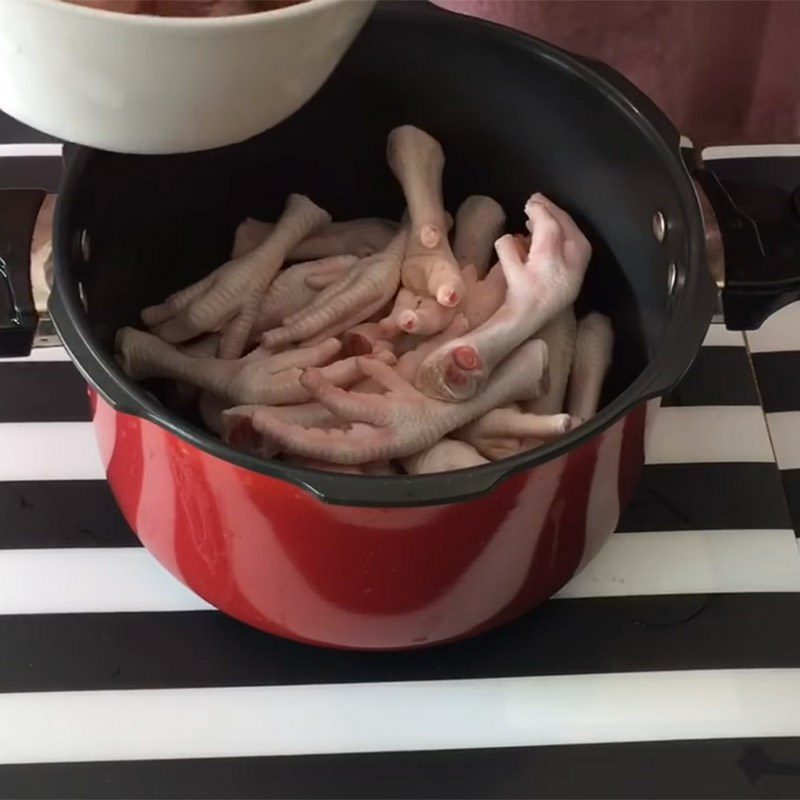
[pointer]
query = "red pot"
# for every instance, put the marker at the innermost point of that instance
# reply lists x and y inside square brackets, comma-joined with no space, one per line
[276,557]
[399,562]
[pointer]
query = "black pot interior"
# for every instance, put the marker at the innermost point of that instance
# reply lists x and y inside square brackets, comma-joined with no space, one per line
[512,118]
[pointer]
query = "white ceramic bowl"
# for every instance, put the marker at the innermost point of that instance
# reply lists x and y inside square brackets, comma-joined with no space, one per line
[144,84]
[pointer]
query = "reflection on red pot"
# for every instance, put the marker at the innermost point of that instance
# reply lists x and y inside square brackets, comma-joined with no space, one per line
[272,555]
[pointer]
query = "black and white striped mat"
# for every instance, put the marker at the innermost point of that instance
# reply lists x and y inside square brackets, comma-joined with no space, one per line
[669,668]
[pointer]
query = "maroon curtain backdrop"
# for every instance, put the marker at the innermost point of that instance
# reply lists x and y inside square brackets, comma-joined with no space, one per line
[725,72]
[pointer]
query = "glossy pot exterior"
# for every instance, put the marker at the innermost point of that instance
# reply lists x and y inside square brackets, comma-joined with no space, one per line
[275,557]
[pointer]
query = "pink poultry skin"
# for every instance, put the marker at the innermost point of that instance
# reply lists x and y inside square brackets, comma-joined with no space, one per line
[364,290]
[316,415]
[364,339]
[396,424]
[480,222]
[429,267]
[421,316]
[559,336]
[229,298]
[508,430]
[296,287]
[444,456]
[539,288]
[259,377]
[355,237]
[484,296]
[594,346]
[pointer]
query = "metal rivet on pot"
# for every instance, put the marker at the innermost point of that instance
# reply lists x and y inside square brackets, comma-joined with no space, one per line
[86,250]
[82,295]
[672,277]
[659,226]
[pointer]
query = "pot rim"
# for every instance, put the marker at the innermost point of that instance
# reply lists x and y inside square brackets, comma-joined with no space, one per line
[693,303]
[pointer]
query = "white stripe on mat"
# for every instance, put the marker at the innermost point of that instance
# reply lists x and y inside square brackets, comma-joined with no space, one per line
[46,451]
[691,562]
[32,150]
[709,434]
[681,435]
[780,333]
[785,429]
[106,580]
[41,354]
[722,151]
[89,580]
[390,717]
[720,336]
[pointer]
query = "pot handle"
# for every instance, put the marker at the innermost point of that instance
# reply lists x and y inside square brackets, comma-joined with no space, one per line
[19,320]
[759,268]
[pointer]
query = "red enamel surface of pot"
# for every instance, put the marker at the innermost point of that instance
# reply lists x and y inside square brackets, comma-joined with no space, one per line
[273,556]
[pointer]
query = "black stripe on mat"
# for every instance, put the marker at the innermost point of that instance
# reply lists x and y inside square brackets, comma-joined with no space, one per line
[727,768]
[791,488]
[707,497]
[53,391]
[719,376]
[38,514]
[30,172]
[778,376]
[42,391]
[62,652]
[14,132]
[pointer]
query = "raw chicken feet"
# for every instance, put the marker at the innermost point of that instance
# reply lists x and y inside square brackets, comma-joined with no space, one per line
[259,377]
[539,288]
[507,431]
[479,224]
[365,289]
[400,423]
[429,267]
[594,345]
[356,237]
[229,298]
[296,287]
[444,456]
[422,316]
[374,348]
